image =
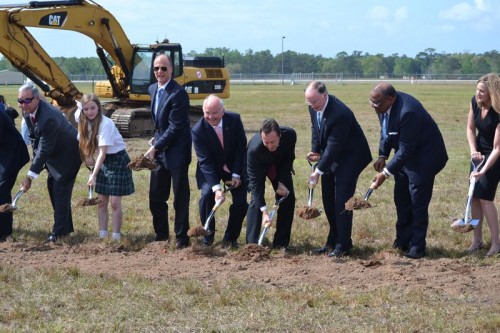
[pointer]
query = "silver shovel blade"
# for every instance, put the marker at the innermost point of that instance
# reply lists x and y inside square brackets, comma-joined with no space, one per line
[459,225]
[262,235]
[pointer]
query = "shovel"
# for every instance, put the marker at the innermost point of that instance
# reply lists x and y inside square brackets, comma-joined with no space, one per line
[468,223]
[356,203]
[13,206]
[204,231]
[309,212]
[272,214]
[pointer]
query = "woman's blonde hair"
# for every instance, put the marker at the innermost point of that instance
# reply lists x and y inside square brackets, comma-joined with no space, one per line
[492,84]
[89,130]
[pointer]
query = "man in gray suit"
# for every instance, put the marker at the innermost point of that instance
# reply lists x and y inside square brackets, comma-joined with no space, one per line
[55,148]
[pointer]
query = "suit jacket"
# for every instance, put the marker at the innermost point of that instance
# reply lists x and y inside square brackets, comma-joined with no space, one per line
[54,142]
[172,126]
[211,156]
[413,134]
[339,139]
[259,160]
[13,152]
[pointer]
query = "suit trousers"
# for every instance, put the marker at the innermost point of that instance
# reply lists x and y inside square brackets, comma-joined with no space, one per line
[412,207]
[283,221]
[159,191]
[6,219]
[336,189]
[60,193]
[237,211]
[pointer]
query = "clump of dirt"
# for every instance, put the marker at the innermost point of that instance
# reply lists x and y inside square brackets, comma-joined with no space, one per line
[5,208]
[141,162]
[461,227]
[307,212]
[83,202]
[356,203]
[197,232]
[252,252]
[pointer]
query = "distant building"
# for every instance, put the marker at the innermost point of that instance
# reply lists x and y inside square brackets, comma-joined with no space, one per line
[11,78]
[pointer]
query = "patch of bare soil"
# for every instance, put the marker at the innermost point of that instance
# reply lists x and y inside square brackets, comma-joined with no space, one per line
[83,202]
[259,265]
[307,212]
[141,162]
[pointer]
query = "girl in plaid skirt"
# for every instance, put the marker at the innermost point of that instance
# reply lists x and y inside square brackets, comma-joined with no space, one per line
[110,175]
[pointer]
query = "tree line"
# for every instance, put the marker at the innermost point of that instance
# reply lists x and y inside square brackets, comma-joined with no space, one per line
[357,64]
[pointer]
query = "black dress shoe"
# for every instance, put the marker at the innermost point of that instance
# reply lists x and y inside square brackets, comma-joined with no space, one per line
[415,253]
[181,244]
[159,237]
[338,253]
[208,240]
[3,237]
[52,238]
[399,245]
[321,250]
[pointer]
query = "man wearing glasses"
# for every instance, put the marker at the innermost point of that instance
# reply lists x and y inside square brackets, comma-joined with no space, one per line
[419,155]
[341,151]
[171,147]
[55,148]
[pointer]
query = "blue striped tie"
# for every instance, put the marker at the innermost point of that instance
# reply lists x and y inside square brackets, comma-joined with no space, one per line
[385,120]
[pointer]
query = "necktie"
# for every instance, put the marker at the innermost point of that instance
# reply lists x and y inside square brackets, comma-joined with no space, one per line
[218,131]
[159,93]
[32,118]
[385,120]
[318,118]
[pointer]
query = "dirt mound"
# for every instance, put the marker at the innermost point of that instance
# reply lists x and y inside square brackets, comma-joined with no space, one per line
[461,227]
[252,252]
[356,203]
[5,208]
[307,212]
[198,231]
[83,202]
[141,162]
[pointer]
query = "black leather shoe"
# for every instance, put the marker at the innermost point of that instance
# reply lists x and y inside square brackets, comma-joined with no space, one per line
[3,237]
[159,237]
[321,250]
[181,244]
[399,245]
[52,238]
[208,240]
[338,253]
[415,253]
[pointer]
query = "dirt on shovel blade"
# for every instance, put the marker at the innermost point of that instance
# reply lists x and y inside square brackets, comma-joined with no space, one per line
[198,231]
[461,227]
[5,208]
[83,202]
[252,252]
[141,162]
[356,203]
[307,212]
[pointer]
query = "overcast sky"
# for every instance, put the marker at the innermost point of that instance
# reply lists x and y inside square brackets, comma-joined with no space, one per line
[405,27]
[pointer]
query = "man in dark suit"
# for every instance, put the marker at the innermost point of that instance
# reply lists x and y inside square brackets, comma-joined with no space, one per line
[270,154]
[13,156]
[171,147]
[220,157]
[55,148]
[419,155]
[341,151]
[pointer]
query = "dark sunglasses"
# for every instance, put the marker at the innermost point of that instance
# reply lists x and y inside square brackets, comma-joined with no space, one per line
[25,100]
[156,69]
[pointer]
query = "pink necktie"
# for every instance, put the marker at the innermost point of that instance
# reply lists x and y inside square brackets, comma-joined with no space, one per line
[218,131]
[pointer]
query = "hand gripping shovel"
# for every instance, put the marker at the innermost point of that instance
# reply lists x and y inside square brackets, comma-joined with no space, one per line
[309,212]
[272,214]
[204,231]
[5,208]
[467,223]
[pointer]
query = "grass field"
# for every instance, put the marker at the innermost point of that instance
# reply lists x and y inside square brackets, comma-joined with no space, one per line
[30,298]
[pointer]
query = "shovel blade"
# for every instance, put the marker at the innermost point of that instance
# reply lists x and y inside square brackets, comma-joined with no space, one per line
[460,225]
[262,235]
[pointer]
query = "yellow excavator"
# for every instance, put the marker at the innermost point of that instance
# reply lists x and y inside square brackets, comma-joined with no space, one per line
[128,67]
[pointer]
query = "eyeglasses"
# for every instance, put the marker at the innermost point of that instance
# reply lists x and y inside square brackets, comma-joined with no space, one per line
[378,103]
[315,102]
[163,68]
[25,100]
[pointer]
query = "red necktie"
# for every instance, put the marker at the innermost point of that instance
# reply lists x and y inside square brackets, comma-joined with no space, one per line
[32,117]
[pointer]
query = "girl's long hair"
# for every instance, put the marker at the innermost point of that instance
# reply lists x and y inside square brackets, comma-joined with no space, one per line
[492,83]
[89,130]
